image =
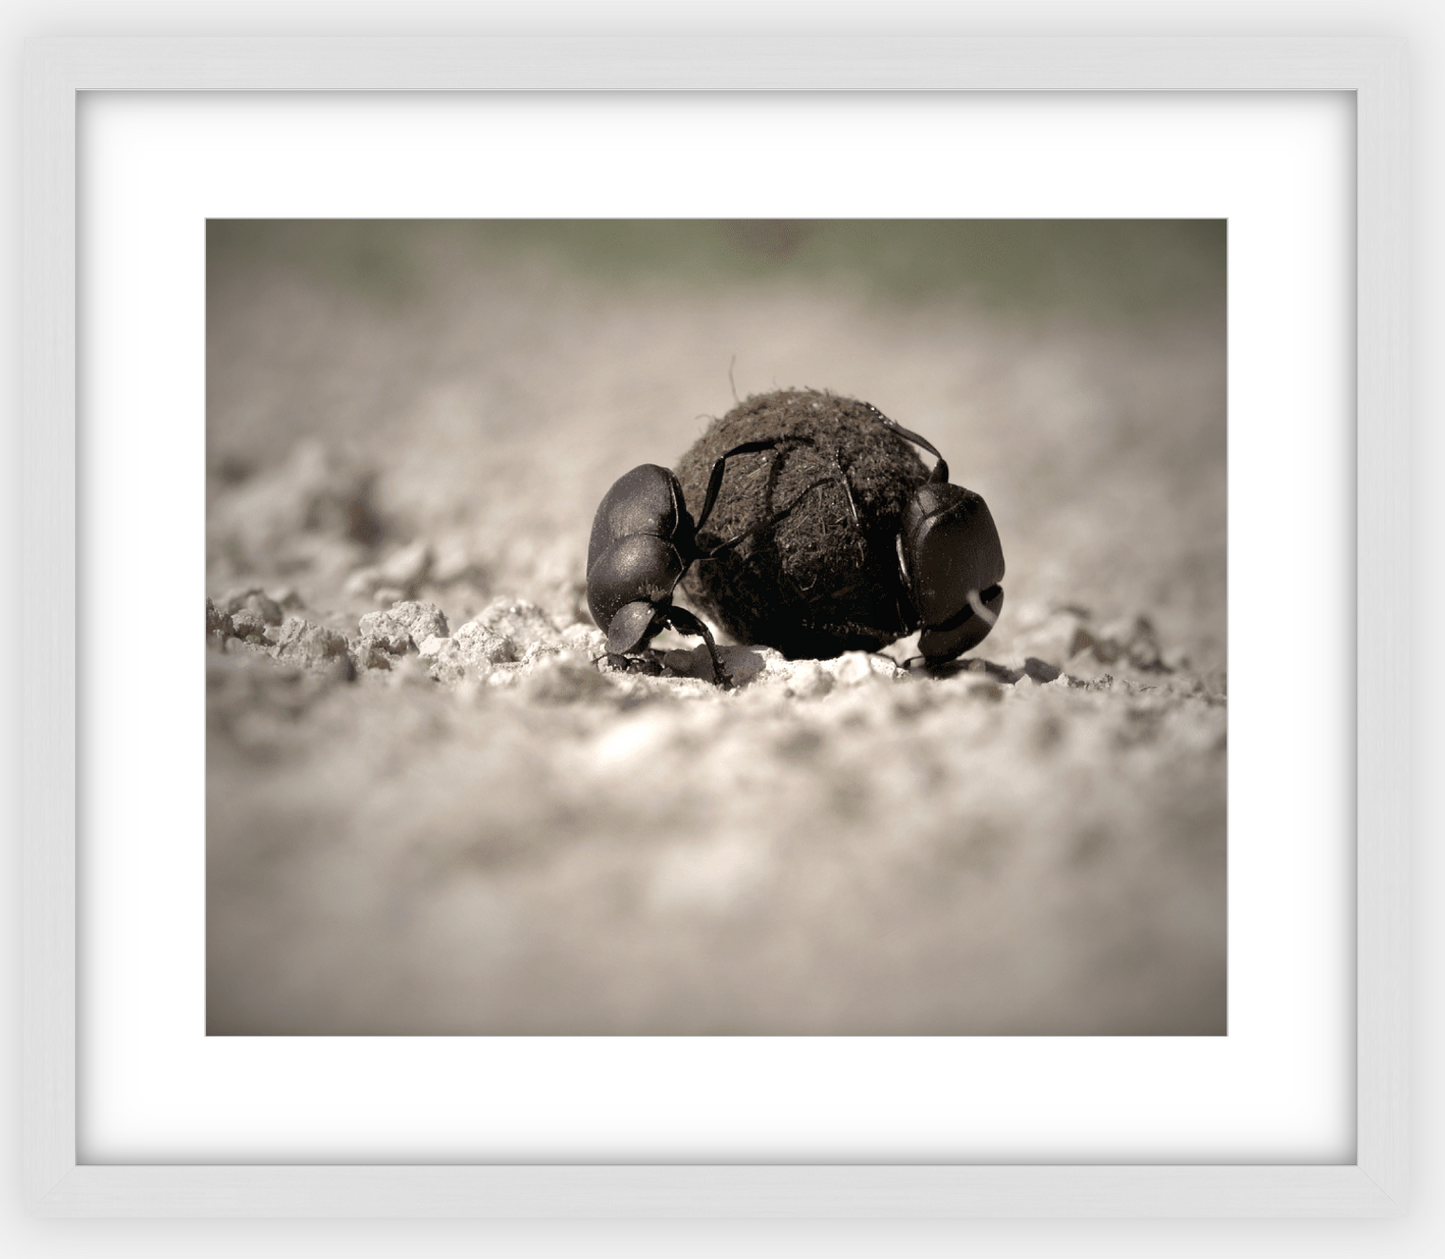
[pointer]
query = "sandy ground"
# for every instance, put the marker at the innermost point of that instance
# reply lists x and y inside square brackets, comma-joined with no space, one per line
[429,811]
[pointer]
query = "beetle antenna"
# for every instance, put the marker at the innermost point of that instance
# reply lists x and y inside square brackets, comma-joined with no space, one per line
[731,363]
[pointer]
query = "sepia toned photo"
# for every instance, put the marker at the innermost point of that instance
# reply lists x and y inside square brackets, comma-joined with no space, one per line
[686,627]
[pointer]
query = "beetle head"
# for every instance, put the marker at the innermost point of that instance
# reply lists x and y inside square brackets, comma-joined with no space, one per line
[632,626]
[952,563]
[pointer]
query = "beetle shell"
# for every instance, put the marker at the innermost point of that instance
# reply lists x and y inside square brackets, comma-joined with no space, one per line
[648,500]
[640,567]
[949,547]
[636,553]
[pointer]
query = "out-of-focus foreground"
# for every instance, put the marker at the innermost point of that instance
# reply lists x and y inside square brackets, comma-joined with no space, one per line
[429,812]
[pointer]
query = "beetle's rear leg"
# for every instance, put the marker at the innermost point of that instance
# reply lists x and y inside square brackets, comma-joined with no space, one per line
[714,552]
[940,469]
[719,468]
[852,507]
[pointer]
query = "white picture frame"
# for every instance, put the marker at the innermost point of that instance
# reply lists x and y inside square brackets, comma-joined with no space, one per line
[58,1184]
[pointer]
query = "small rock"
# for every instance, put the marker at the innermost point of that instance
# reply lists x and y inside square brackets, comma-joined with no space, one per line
[540,651]
[383,631]
[481,645]
[443,659]
[1040,671]
[517,619]
[775,667]
[585,638]
[368,653]
[311,646]
[218,622]
[474,651]
[854,668]
[809,680]
[247,624]
[421,620]
[507,631]
[254,599]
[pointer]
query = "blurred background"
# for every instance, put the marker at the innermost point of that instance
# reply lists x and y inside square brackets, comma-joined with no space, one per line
[432,411]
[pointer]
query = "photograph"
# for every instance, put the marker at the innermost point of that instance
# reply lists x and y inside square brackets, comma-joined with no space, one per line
[688,627]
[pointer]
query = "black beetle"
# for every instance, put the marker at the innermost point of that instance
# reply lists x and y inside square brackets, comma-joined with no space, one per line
[950,560]
[644,540]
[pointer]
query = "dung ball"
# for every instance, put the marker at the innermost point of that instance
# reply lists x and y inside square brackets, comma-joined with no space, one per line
[824,578]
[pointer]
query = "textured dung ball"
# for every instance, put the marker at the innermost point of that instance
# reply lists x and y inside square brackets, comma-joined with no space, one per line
[817,583]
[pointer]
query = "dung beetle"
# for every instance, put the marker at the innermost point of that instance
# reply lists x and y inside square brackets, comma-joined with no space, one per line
[643,541]
[950,560]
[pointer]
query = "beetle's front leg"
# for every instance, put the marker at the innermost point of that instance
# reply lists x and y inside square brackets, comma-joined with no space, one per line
[685,623]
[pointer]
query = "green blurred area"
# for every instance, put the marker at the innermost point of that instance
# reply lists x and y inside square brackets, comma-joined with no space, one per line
[1099,267]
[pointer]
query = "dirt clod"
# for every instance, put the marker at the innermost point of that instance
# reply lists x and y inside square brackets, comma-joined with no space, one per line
[819,582]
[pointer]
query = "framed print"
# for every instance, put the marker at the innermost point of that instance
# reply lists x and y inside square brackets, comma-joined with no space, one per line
[466,905]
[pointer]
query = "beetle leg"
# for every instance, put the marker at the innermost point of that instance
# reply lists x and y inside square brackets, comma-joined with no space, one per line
[685,623]
[719,467]
[764,524]
[852,504]
[852,507]
[940,469]
[903,562]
